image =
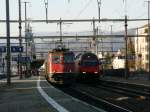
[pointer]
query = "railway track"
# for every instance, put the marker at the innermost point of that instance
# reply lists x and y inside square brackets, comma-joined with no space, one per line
[125,88]
[112,97]
[93,100]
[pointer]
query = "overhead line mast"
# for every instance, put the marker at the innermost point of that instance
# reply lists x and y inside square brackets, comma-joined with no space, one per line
[8,43]
[99,6]
[20,39]
[26,31]
[126,39]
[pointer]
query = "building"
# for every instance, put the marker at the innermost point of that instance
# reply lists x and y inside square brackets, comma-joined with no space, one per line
[141,48]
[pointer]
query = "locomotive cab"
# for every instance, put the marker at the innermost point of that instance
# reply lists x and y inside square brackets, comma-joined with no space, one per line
[87,65]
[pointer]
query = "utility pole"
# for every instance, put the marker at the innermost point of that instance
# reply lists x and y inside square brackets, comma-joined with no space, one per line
[149,34]
[8,57]
[20,40]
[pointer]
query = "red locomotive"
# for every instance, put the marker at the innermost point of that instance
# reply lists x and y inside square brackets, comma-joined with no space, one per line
[87,66]
[60,66]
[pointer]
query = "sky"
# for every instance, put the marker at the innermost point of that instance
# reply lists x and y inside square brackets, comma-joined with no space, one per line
[75,9]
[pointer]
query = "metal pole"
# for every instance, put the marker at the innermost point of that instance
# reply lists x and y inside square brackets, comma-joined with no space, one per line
[126,48]
[137,41]
[25,3]
[46,9]
[25,6]
[149,34]
[126,39]
[60,30]
[8,43]
[99,6]
[20,39]
[97,43]
[94,36]
[111,39]
[3,64]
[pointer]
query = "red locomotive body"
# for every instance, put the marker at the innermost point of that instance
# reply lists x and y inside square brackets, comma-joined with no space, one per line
[87,66]
[60,66]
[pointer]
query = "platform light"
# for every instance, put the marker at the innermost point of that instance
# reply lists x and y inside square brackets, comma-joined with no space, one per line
[84,72]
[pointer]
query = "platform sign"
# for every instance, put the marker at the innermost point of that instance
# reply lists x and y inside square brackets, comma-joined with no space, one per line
[25,59]
[16,49]
[3,49]
[21,59]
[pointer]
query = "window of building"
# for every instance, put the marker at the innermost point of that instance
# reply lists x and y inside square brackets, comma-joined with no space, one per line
[147,57]
[146,30]
[147,65]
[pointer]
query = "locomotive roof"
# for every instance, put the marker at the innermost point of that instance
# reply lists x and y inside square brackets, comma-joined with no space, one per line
[81,55]
[59,50]
[64,50]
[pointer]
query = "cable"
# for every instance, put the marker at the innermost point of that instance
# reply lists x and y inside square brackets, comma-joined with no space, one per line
[88,3]
[67,11]
[84,8]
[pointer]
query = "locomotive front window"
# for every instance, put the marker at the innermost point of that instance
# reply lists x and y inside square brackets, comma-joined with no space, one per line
[89,63]
[68,58]
[56,59]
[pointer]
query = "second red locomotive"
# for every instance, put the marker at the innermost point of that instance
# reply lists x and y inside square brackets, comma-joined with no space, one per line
[87,66]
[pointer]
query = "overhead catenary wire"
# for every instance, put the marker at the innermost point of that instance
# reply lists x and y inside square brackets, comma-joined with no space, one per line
[81,11]
[84,8]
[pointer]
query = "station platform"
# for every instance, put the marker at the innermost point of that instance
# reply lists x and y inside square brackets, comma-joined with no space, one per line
[137,80]
[35,94]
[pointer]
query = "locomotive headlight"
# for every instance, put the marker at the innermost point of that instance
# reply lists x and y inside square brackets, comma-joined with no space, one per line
[84,72]
[96,72]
